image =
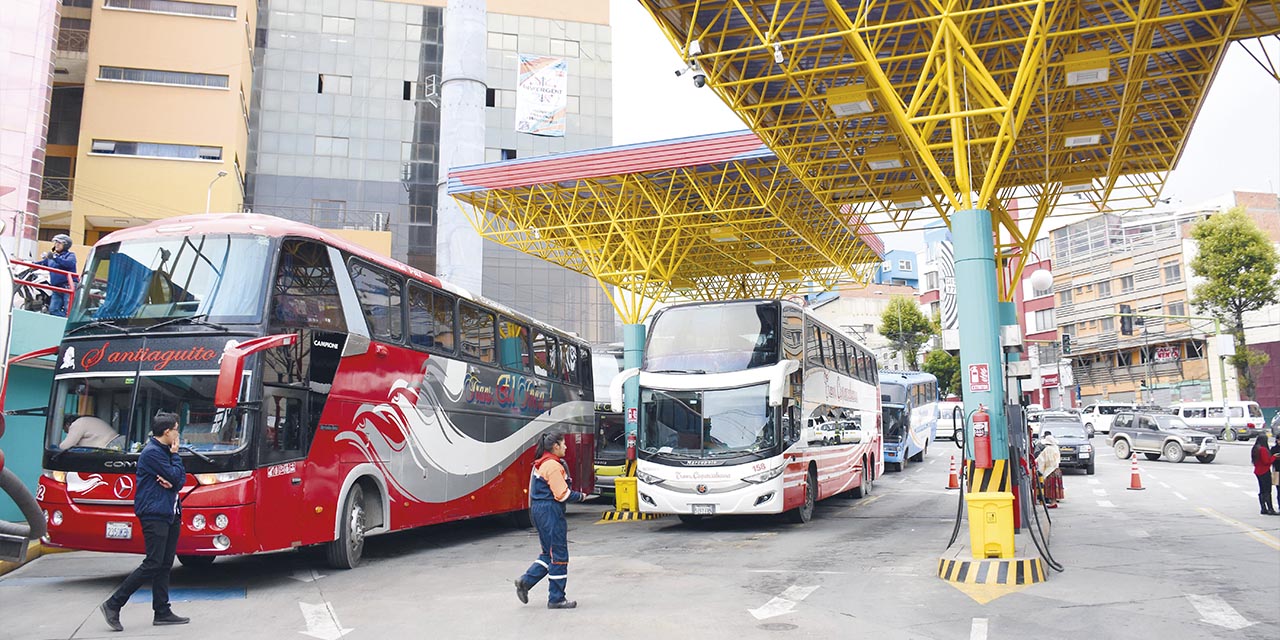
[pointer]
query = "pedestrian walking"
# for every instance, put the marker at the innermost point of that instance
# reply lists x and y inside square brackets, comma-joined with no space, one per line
[1048,462]
[60,258]
[160,476]
[548,493]
[1262,459]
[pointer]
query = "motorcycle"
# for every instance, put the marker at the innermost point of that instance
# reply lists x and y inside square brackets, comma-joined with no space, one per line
[29,298]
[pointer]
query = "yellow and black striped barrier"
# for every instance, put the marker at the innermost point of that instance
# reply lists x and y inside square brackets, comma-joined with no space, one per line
[995,479]
[992,571]
[624,516]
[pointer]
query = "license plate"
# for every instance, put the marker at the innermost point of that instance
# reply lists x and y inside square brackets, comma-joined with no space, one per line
[120,530]
[704,509]
[1084,454]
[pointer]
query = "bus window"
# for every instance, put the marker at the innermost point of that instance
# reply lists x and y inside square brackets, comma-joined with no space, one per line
[283,426]
[430,319]
[305,293]
[585,378]
[513,345]
[554,369]
[812,350]
[541,346]
[568,361]
[477,332]
[380,294]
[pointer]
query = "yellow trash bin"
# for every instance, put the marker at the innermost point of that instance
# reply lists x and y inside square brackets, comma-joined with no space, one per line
[991,524]
[624,491]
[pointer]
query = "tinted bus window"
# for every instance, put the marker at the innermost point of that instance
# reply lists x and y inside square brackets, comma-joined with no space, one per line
[380,294]
[513,345]
[542,344]
[477,332]
[305,293]
[430,318]
[812,350]
[569,361]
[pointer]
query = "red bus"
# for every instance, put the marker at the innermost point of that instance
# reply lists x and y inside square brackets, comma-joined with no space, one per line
[324,393]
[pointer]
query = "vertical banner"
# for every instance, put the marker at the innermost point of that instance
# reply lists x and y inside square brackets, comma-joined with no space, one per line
[541,95]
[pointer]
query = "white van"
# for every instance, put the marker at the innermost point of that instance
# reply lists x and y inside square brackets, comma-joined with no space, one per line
[1097,417]
[1209,417]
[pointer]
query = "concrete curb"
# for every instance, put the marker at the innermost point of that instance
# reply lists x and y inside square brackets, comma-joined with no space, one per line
[992,571]
[35,549]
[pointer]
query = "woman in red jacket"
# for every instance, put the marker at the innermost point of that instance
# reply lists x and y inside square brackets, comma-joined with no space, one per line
[1262,459]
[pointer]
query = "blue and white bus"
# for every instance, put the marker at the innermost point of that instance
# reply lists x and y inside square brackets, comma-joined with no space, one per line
[909,409]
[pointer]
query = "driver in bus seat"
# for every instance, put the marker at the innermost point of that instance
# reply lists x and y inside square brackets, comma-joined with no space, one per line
[87,431]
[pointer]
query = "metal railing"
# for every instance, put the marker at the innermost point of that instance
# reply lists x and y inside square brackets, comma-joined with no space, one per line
[326,217]
[73,40]
[52,188]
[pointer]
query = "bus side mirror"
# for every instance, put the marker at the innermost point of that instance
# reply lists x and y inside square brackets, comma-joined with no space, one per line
[231,372]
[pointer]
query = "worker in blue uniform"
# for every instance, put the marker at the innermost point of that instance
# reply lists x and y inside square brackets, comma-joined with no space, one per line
[548,493]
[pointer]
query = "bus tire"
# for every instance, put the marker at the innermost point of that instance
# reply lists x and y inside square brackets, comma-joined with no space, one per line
[868,481]
[346,551]
[804,512]
[520,519]
[919,457]
[196,562]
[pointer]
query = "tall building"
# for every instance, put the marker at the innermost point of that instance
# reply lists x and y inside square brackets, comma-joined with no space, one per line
[346,127]
[1048,381]
[28,30]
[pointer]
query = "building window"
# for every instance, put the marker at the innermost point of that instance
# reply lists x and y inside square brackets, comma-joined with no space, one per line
[1126,284]
[1178,308]
[1044,320]
[333,84]
[1065,297]
[199,9]
[508,154]
[931,281]
[904,265]
[1124,358]
[1172,273]
[328,146]
[1108,324]
[1104,289]
[155,150]
[1069,330]
[157,76]
[490,97]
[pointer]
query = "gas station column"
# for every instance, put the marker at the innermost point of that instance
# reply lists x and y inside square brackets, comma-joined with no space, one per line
[632,353]
[982,380]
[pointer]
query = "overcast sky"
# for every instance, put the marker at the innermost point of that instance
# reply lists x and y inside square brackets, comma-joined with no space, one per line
[1234,144]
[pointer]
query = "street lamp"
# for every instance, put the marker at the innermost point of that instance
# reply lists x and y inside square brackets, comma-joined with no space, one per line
[208,196]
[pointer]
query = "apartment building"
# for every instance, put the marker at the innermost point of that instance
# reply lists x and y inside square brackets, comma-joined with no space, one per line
[899,267]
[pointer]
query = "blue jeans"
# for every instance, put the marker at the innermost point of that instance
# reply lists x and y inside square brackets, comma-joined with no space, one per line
[553,562]
[58,303]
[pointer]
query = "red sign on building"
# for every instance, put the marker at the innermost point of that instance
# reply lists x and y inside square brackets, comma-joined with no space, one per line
[980,377]
[1048,381]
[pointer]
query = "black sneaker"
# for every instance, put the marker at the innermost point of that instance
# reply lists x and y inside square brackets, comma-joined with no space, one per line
[562,604]
[522,591]
[169,618]
[112,616]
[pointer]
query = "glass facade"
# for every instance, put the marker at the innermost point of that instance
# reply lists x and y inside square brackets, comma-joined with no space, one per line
[345,129]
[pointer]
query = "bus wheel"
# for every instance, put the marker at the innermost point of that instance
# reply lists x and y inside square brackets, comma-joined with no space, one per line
[919,457]
[345,552]
[868,480]
[196,562]
[520,519]
[804,512]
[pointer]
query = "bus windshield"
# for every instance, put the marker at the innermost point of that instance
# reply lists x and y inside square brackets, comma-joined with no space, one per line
[142,282]
[698,424]
[713,338]
[114,413]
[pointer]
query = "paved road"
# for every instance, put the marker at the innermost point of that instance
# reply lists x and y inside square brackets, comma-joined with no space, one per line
[1189,557]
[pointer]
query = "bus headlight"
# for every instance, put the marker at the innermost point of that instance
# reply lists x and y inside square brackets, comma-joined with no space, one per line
[217,478]
[221,521]
[648,478]
[56,518]
[766,475]
[59,477]
[197,523]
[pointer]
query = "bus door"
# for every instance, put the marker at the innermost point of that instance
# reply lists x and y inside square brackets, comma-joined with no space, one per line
[281,449]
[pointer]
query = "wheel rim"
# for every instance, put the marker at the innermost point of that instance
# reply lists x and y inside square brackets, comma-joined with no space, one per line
[1229,435]
[1172,451]
[869,477]
[1122,450]
[810,496]
[356,532]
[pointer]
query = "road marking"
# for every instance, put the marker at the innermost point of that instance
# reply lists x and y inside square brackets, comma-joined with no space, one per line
[310,575]
[1210,476]
[1251,495]
[1254,532]
[1180,496]
[322,622]
[1094,481]
[1165,485]
[978,630]
[1139,533]
[1215,610]
[1106,503]
[1099,492]
[783,603]
[829,573]
[1231,485]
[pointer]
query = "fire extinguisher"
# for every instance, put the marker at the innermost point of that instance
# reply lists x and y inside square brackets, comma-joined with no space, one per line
[982,438]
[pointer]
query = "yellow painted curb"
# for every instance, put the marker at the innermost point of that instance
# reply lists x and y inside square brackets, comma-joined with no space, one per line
[34,550]
[992,571]
[624,516]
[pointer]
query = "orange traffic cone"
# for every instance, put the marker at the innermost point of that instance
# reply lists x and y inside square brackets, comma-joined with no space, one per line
[1135,480]
[953,480]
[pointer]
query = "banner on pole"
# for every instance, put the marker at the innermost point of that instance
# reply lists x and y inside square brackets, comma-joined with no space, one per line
[542,95]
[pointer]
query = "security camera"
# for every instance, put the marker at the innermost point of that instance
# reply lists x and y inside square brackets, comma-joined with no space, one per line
[699,80]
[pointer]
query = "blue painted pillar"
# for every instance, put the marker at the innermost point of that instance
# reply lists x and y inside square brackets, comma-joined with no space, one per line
[632,353]
[979,324]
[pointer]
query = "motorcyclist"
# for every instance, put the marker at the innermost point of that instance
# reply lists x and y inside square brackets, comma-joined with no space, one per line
[60,258]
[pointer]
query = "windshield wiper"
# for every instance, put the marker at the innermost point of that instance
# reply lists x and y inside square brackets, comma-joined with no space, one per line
[678,371]
[99,323]
[196,319]
[195,453]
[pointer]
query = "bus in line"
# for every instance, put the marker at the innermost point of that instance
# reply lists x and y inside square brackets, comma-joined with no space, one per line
[910,406]
[752,407]
[324,393]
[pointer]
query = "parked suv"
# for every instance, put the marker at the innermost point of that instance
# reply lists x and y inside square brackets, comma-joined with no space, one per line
[1073,440]
[1159,434]
[1210,417]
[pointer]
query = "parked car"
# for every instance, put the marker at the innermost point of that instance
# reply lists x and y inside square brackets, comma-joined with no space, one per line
[1157,435]
[1210,417]
[1275,426]
[1073,440]
[1098,416]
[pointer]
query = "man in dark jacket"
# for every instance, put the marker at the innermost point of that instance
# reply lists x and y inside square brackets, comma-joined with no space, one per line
[60,258]
[160,477]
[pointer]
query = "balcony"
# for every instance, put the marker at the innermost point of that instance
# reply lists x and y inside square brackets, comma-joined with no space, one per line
[59,189]
[73,40]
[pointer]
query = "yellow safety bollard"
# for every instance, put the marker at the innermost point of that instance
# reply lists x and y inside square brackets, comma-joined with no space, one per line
[991,524]
[624,493]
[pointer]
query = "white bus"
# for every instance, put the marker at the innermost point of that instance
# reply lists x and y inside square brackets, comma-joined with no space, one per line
[752,406]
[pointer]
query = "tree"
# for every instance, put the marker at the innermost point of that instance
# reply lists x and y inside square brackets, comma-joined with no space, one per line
[1238,264]
[907,329]
[946,368]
